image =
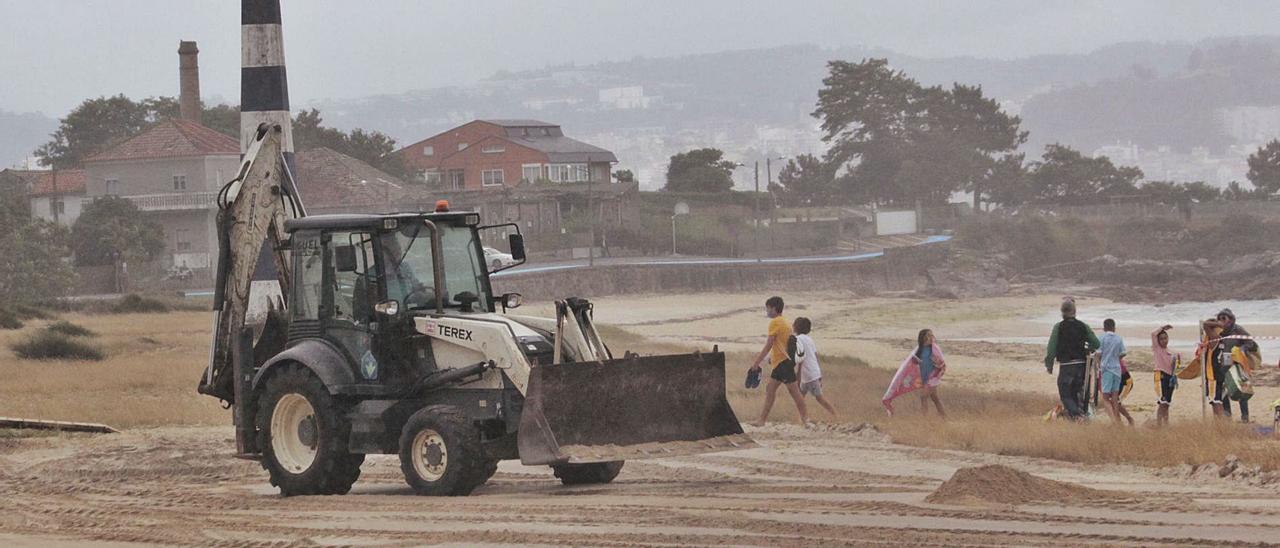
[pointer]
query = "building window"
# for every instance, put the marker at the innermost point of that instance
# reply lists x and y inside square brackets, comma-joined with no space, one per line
[492,177]
[432,176]
[456,179]
[58,206]
[428,150]
[569,173]
[493,149]
[113,186]
[530,173]
[179,182]
[182,239]
[462,146]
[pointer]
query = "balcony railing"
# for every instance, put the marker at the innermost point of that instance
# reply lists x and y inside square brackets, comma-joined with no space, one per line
[173,201]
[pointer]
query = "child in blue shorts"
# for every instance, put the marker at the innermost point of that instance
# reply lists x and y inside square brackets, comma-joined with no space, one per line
[1112,348]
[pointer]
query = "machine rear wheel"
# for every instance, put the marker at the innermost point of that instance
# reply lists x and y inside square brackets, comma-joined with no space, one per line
[583,474]
[303,436]
[496,264]
[440,453]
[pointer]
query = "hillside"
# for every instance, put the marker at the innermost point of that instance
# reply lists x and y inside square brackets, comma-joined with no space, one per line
[20,134]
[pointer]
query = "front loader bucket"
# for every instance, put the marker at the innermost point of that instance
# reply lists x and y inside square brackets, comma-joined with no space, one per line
[636,407]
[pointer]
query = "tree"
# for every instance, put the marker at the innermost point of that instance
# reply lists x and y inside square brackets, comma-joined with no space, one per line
[895,141]
[624,176]
[1065,176]
[1264,167]
[34,268]
[112,228]
[806,180]
[1236,192]
[372,147]
[1007,181]
[1173,193]
[224,119]
[700,170]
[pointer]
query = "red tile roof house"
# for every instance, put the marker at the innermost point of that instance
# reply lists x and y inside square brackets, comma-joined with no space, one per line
[172,172]
[332,182]
[493,154]
[57,196]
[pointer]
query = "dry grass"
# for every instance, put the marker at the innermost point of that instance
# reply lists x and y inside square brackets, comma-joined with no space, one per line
[1003,423]
[1187,442]
[154,360]
[148,378]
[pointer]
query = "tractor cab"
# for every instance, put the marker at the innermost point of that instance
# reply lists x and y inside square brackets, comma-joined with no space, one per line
[360,279]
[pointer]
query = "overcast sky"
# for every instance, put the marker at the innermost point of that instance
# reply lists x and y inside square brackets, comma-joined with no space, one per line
[58,52]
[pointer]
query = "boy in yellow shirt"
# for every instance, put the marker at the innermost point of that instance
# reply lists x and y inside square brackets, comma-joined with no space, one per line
[784,369]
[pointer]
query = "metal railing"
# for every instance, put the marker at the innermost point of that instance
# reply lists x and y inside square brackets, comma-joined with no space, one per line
[173,201]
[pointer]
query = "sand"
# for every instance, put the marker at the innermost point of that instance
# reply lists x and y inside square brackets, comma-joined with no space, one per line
[996,483]
[181,486]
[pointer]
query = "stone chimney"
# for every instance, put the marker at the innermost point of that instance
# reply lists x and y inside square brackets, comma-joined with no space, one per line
[189,82]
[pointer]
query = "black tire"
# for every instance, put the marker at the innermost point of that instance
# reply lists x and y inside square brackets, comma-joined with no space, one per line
[496,264]
[455,449]
[489,469]
[333,470]
[584,474]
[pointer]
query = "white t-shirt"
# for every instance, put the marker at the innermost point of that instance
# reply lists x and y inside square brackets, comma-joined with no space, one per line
[807,359]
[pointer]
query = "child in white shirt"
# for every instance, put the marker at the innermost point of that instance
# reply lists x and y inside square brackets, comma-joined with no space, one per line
[806,358]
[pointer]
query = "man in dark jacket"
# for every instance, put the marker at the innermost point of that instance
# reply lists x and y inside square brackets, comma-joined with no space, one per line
[1070,345]
[1221,360]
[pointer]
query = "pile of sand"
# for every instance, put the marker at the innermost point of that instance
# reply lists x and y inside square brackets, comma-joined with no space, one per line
[998,484]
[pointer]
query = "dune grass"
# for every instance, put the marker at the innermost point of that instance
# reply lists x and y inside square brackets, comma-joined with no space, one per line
[48,344]
[148,377]
[70,329]
[1003,423]
[154,360]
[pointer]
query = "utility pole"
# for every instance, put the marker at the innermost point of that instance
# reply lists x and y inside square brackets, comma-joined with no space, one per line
[53,196]
[755,214]
[773,200]
[591,219]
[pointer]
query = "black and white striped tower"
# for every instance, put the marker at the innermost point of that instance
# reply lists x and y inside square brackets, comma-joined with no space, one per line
[264,88]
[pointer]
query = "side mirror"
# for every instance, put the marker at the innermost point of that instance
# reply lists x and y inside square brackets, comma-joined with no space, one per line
[512,300]
[516,242]
[388,308]
[344,258]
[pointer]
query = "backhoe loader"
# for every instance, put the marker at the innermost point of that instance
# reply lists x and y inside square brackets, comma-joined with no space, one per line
[387,338]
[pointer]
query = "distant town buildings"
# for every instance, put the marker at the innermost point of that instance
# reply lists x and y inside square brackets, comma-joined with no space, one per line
[1165,164]
[625,98]
[495,154]
[57,196]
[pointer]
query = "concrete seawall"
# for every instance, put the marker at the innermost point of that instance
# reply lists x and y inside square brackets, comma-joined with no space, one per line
[897,270]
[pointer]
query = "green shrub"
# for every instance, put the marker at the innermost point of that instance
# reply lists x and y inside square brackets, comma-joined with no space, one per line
[9,320]
[137,304]
[1031,242]
[52,345]
[25,312]
[68,328]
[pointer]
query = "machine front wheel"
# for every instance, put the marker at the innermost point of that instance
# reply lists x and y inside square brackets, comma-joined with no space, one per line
[441,454]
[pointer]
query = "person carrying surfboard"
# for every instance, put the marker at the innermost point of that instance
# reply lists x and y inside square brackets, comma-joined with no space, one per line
[1070,344]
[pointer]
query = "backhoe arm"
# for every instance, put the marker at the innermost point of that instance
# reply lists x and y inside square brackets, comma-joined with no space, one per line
[252,210]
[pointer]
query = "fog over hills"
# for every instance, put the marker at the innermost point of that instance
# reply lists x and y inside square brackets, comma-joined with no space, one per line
[1174,97]
[1214,97]
[21,133]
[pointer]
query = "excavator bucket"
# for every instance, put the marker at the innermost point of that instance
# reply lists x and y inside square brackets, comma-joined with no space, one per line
[635,407]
